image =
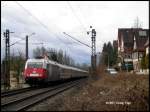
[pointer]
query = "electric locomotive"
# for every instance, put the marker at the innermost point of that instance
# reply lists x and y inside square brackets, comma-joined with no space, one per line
[39,71]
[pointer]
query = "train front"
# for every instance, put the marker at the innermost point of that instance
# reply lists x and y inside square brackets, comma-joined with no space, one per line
[35,71]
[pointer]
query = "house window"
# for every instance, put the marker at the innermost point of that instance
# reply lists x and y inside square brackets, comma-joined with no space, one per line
[142,33]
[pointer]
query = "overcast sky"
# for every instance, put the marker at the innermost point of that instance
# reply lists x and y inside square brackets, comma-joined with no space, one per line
[49,19]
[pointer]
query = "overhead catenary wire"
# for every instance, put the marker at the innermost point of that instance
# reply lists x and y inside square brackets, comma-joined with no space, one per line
[39,21]
[44,24]
[76,16]
[32,16]
[17,41]
[82,15]
[35,18]
[77,40]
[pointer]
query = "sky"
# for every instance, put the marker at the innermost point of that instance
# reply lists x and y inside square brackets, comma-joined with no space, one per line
[49,19]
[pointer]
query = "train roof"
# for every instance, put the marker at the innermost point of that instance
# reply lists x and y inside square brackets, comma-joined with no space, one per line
[55,63]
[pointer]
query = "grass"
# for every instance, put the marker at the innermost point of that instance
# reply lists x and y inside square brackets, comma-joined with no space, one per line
[122,92]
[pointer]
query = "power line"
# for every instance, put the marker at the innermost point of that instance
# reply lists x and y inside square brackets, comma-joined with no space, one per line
[77,40]
[34,18]
[76,15]
[42,23]
[32,15]
[81,13]
[38,21]
[18,41]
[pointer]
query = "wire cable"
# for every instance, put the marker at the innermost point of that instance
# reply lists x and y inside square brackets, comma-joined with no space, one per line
[76,16]
[77,40]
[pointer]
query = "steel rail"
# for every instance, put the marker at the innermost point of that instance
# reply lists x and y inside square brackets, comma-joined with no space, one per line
[16,91]
[23,103]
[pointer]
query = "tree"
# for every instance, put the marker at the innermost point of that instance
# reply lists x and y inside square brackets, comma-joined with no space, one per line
[104,48]
[54,56]
[39,51]
[109,54]
[147,61]
[58,56]
[143,65]
[17,64]
[115,55]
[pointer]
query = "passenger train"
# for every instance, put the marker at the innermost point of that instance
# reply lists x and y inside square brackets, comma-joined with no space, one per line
[38,71]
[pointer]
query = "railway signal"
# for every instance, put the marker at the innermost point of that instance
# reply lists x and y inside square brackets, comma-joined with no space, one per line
[93,56]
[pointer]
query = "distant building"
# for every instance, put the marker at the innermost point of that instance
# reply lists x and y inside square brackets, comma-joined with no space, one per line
[131,45]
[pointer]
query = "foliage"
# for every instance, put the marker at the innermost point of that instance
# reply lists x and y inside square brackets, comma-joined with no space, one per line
[59,56]
[17,63]
[109,54]
[143,64]
[147,61]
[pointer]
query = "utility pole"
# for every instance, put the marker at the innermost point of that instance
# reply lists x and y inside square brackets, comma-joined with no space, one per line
[7,61]
[27,53]
[26,47]
[93,56]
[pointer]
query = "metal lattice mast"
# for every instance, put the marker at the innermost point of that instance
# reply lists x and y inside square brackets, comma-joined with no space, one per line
[93,55]
[7,61]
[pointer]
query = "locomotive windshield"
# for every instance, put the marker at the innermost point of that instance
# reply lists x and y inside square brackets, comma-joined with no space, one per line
[35,65]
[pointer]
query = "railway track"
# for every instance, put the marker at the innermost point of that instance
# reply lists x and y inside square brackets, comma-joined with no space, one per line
[24,100]
[17,91]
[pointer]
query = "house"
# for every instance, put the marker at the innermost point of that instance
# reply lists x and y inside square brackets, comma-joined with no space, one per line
[140,38]
[125,47]
[131,45]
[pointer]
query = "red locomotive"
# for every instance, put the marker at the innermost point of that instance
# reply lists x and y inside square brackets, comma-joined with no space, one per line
[44,70]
